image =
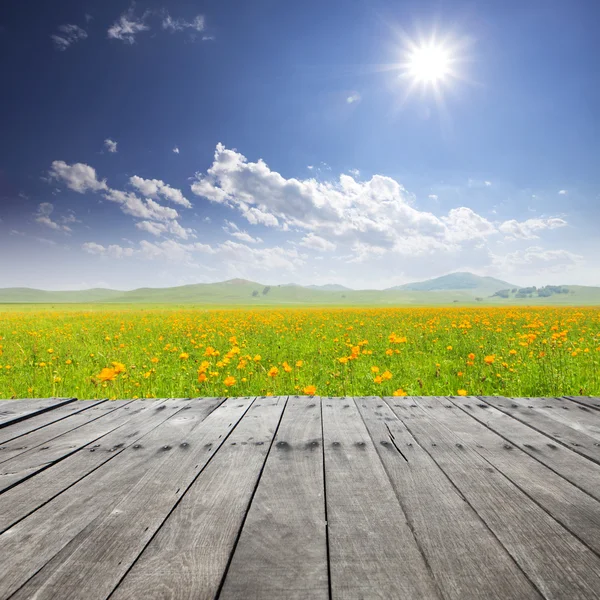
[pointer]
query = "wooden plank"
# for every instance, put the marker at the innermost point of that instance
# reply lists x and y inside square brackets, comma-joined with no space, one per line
[189,555]
[96,423]
[563,434]
[29,495]
[575,468]
[282,550]
[43,435]
[585,401]
[466,559]
[372,552]
[555,561]
[573,415]
[108,518]
[27,408]
[553,493]
[21,428]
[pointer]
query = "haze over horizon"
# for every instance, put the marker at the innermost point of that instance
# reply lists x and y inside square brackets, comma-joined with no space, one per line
[157,145]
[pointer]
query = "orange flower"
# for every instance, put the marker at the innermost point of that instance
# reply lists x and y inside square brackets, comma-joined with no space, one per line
[462,392]
[273,372]
[229,381]
[118,367]
[489,359]
[400,392]
[310,390]
[286,367]
[107,374]
[299,363]
[202,377]
[378,379]
[386,375]
[184,356]
[471,356]
[374,369]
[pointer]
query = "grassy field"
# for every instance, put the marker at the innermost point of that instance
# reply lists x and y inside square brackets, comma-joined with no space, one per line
[128,352]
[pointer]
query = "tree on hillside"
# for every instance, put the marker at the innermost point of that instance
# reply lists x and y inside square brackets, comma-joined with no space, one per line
[266,290]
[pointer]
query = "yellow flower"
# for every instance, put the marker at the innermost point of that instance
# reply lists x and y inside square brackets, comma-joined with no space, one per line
[389,352]
[462,392]
[68,362]
[400,392]
[118,367]
[449,348]
[299,363]
[287,367]
[374,369]
[154,360]
[512,352]
[184,356]
[386,375]
[343,360]
[273,372]
[202,377]
[107,374]
[378,379]
[489,359]
[310,390]
[229,381]
[471,356]
[50,351]
[257,358]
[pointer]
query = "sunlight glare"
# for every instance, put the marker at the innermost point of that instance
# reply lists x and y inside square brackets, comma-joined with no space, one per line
[429,63]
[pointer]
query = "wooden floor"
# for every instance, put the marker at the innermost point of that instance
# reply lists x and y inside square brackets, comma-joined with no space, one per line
[297,497]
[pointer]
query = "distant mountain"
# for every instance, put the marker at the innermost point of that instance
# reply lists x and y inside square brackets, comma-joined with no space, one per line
[329,287]
[456,281]
[454,289]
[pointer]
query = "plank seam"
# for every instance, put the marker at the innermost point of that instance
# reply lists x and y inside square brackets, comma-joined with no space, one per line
[182,495]
[111,457]
[573,399]
[468,503]
[329,590]
[249,506]
[406,517]
[508,440]
[558,441]
[36,413]
[52,422]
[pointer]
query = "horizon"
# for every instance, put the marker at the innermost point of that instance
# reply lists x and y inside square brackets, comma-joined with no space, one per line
[374,147]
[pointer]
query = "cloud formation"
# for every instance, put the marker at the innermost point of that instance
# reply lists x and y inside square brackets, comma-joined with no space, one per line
[69,34]
[110,145]
[127,27]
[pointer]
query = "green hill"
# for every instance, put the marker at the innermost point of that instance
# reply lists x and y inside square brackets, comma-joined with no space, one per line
[454,289]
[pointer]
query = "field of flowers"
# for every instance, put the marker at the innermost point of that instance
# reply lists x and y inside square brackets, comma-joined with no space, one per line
[131,353]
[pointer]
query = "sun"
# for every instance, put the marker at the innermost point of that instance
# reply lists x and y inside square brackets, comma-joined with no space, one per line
[429,64]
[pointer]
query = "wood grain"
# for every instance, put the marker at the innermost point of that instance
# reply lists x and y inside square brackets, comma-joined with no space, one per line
[282,550]
[466,559]
[372,551]
[19,410]
[188,557]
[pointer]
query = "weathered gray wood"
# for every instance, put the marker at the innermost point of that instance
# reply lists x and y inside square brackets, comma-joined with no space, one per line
[13,412]
[23,499]
[372,552]
[585,401]
[555,561]
[575,468]
[91,566]
[573,415]
[94,424]
[11,432]
[282,550]
[564,434]
[467,561]
[44,435]
[188,557]
[551,491]
[55,526]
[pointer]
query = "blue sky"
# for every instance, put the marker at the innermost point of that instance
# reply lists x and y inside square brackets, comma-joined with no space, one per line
[158,144]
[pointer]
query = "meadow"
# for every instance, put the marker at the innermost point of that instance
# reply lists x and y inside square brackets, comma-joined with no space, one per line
[137,352]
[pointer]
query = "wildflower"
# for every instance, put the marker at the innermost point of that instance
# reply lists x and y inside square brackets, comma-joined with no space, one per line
[449,348]
[374,369]
[462,392]
[386,375]
[273,372]
[286,367]
[184,356]
[50,351]
[512,352]
[68,361]
[118,367]
[343,360]
[299,363]
[257,358]
[310,390]
[202,377]
[471,356]
[489,359]
[378,379]
[154,360]
[229,381]
[107,374]
[400,392]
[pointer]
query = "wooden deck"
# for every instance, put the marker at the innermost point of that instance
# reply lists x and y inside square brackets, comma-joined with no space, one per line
[304,498]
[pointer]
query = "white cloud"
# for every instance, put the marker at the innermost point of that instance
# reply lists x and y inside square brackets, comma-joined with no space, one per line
[127,27]
[78,177]
[112,251]
[42,216]
[173,25]
[234,231]
[563,192]
[433,196]
[535,260]
[487,183]
[315,242]
[354,172]
[142,209]
[527,229]
[176,150]
[69,34]
[353,98]
[168,227]
[110,145]
[153,188]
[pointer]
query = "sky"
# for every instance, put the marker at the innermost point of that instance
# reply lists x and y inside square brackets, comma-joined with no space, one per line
[366,143]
